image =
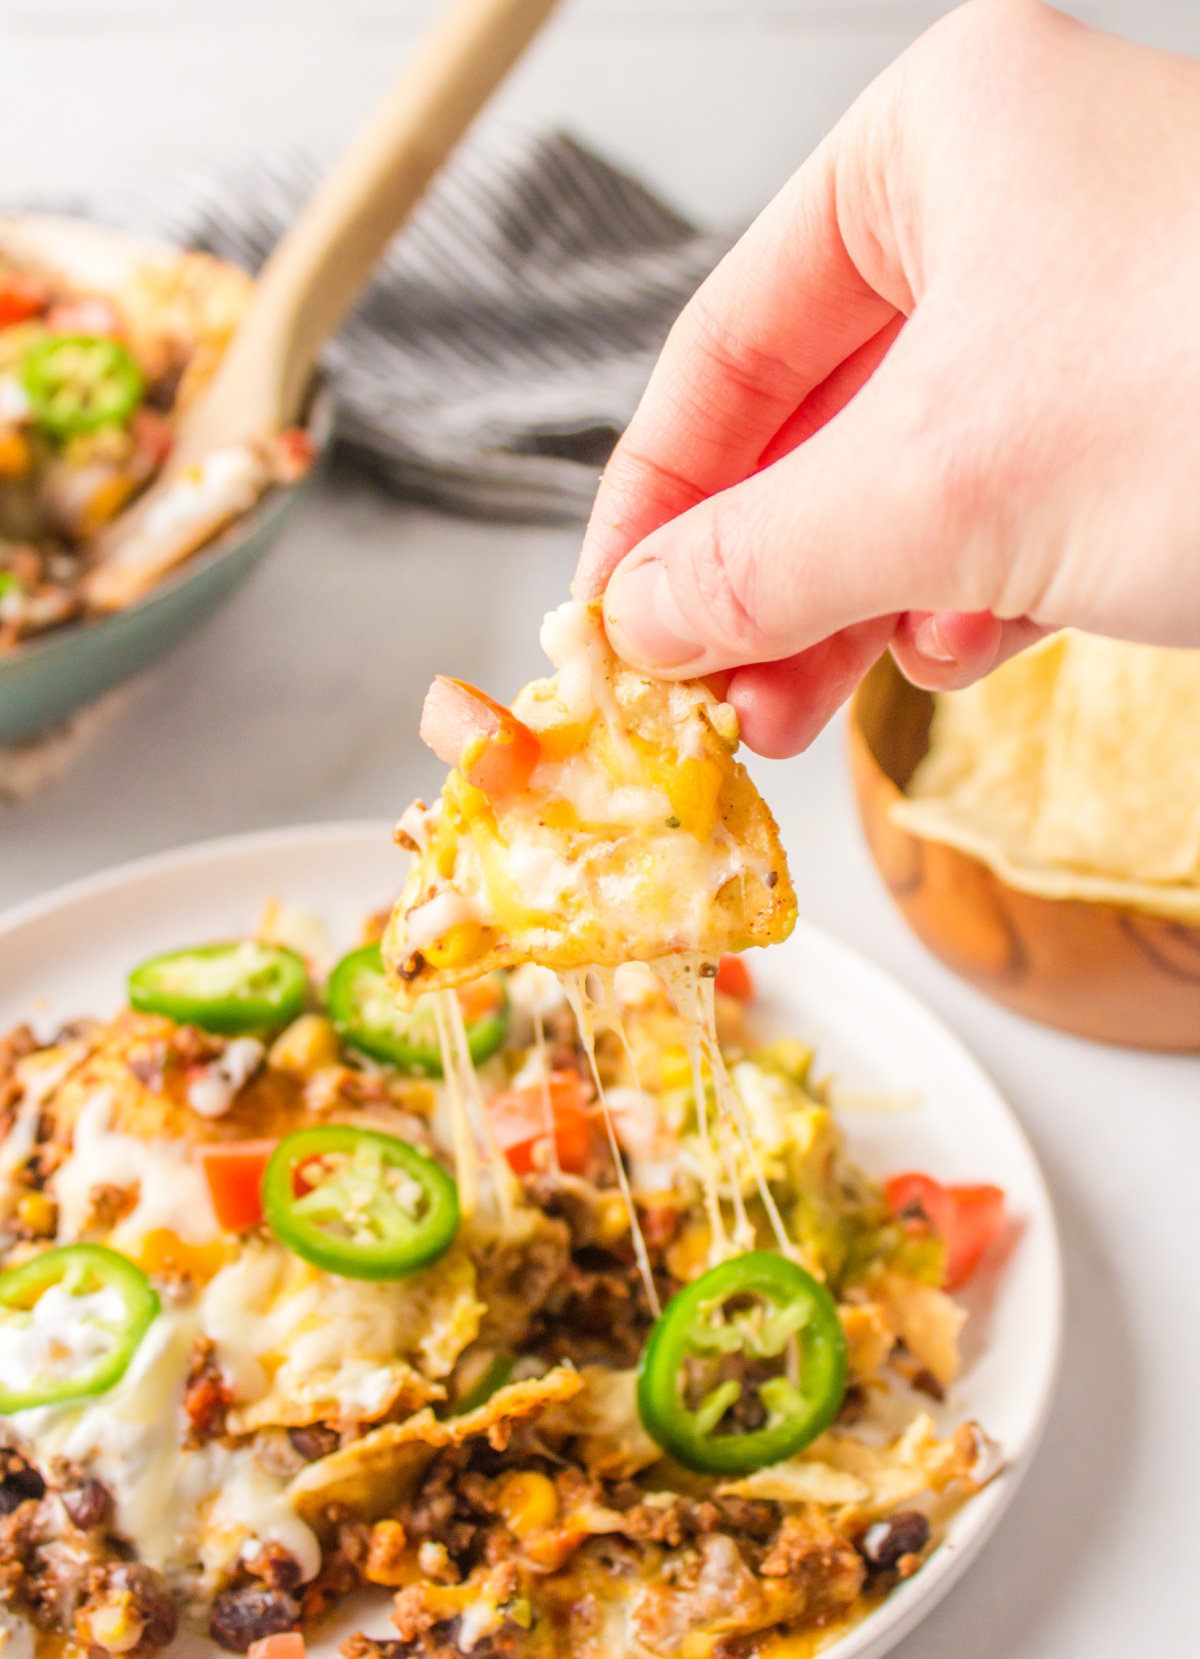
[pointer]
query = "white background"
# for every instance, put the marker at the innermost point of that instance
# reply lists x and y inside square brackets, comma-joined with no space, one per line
[299,702]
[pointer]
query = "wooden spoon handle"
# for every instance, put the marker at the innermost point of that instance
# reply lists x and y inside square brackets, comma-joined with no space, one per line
[319,268]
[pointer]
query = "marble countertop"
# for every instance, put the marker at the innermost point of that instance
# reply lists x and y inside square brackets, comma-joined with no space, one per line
[298,703]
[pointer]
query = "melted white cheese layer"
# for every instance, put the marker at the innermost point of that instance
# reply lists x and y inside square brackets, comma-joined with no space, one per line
[172,1191]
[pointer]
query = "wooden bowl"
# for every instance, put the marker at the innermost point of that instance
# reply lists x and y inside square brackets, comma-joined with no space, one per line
[1106,971]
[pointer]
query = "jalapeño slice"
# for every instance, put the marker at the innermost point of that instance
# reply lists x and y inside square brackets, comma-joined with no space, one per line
[362,1010]
[685,1386]
[359,1203]
[70,1322]
[227,989]
[77,382]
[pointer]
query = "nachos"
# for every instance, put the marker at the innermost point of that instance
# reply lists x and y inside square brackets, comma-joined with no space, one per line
[302,1294]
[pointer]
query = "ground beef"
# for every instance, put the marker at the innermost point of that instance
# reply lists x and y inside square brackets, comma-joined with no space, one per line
[751,1516]
[276,1567]
[367,1647]
[208,1396]
[342,1562]
[108,1204]
[596,1313]
[240,1617]
[19,1481]
[807,1550]
[443,1511]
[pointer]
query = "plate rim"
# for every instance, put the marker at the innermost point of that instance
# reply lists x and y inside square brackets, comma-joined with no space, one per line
[887,1624]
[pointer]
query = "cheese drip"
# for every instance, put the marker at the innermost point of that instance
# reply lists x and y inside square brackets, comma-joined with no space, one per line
[506,1186]
[539,1029]
[575,990]
[466,1101]
[466,1157]
[691,990]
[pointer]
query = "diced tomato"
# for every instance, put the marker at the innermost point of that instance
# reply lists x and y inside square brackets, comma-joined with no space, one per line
[518,1118]
[234,1172]
[466,728]
[286,1644]
[22,295]
[733,978]
[968,1219]
[152,433]
[92,315]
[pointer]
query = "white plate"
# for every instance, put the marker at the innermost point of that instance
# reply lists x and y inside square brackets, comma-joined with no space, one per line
[68,954]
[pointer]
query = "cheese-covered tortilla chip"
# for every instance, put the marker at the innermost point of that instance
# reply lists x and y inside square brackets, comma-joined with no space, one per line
[604,819]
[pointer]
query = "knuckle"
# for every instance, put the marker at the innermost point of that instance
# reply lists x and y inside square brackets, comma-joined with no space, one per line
[729,581]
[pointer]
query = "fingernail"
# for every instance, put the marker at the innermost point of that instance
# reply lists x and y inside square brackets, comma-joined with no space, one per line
[928,641]
[643,621]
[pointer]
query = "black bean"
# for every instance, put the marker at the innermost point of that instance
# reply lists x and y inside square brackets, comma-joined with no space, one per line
[151,1597]
[241,1617]
[88,1505]
[19,1481]
[883,1543]
[314,1440]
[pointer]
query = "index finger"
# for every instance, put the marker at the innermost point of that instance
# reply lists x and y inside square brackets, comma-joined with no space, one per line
[782,311]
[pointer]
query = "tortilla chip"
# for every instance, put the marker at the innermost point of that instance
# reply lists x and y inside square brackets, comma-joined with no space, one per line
[1120,791]
[371,1477]
[603,1419]
[926,1320]
[987,748]
[1073,774]
[862,1480]
[646,838]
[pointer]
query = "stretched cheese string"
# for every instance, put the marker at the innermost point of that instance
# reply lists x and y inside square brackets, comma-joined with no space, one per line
[547,1104]
[687,984]
[731,1101]
[575,991]
[504,1182]
[744,1236]
[743,1231]
[466,1157]
[679,975]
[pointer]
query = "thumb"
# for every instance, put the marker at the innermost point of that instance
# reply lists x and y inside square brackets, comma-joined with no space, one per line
[867,517]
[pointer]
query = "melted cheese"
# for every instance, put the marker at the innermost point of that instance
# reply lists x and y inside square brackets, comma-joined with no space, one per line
[575,989]
[691,990]
[466,1156]
[172,1191]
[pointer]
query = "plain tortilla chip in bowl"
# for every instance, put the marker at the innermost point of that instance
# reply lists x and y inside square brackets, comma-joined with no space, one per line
[1120,787]
[1040,831]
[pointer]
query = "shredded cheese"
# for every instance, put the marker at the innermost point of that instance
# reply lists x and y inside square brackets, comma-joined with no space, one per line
[575,990]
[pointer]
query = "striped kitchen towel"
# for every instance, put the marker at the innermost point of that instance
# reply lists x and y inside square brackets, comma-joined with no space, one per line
[513,323]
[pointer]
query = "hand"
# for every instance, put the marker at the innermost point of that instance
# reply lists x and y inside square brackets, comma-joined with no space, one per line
[944,394]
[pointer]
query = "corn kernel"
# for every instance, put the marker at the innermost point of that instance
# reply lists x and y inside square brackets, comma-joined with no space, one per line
[38,1214]
[528,1502]
[612,1219]
[460,943]
[688,1255]
[114,1625]
[309,1044]
[675,1067]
